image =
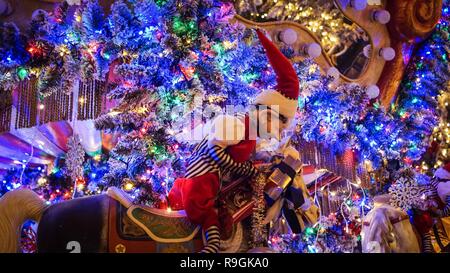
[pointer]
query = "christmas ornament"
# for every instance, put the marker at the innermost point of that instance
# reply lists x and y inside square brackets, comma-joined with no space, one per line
[405,193]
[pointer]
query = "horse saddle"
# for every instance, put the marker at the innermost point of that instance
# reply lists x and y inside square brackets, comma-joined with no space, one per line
[141,229]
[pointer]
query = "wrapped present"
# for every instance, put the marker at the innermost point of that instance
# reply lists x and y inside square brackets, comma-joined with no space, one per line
[280,194]
[282,176]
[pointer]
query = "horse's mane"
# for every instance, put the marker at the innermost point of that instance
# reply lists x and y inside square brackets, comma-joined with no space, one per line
[382,234]
[380,227]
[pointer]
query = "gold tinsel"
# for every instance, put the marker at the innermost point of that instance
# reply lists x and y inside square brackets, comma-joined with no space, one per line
[58,106]
[90,97]
[259,230]
[5,110]
[27,104]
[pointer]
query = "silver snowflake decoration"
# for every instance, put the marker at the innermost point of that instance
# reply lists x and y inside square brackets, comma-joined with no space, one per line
[405,193]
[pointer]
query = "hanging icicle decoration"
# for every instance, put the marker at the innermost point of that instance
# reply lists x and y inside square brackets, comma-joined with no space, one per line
[90,99]
[322,157]
[56,107]
[27,107]
[5,110]
[74,161]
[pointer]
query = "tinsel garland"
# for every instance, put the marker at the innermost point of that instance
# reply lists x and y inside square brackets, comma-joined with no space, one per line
[5,110]
[57,106]
[27,105]
[90,98]
[259,230]
[324,157]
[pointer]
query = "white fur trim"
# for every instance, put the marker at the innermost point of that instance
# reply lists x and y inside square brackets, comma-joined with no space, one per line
[443,190]
[442,173]
[287,107]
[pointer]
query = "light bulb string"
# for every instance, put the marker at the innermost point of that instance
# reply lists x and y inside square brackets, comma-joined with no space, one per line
[350,189]
[24,166]
[320,209]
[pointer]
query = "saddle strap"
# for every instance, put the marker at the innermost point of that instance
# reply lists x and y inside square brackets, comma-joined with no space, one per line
[438,238]
[392,220]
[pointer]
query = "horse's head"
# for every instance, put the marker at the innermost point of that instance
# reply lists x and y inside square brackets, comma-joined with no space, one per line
[378,233]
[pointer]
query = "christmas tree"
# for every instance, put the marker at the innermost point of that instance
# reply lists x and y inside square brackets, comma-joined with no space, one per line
[174,59]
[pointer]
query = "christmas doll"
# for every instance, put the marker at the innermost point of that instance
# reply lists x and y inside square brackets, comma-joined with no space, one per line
[439,195]
[440,185]
[229,145]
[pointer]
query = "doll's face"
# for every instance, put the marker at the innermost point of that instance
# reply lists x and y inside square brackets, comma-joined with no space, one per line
[271,124]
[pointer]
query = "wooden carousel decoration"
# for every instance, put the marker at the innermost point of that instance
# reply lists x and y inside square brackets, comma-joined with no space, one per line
[392,30]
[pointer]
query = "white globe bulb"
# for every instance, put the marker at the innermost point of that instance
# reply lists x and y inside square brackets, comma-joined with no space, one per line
[258,2]
[313,50]
[372,91]
[367,50]
[5,8]
[73,2]
[358,4]
[381,16]
[388,53]
[288,36]
[38,12]
[333,72]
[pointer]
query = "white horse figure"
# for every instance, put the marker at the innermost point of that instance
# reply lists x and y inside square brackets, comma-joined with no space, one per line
[387,229]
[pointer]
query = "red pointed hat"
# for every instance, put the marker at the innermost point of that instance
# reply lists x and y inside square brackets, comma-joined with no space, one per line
[447,167]
[443,172]
[287,90]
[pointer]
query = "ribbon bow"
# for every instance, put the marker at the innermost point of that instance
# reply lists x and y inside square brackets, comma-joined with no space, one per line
[281,196]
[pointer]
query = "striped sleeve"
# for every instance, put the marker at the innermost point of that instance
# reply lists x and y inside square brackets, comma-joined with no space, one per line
[431,191]
[434,182]
[224,161]
[446,210]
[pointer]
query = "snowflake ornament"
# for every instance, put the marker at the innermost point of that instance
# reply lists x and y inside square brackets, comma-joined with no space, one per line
[405,193]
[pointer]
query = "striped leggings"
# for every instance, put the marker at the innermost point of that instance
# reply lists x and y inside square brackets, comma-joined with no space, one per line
[212,240]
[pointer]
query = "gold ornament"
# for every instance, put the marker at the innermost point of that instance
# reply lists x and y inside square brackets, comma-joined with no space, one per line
[120,248]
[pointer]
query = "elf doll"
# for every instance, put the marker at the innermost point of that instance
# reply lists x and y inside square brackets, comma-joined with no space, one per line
[439,194]
[228,147]
[440,185]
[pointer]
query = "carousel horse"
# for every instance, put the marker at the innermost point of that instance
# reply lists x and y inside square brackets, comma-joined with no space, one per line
[387,229]
[103,223]
[112,223]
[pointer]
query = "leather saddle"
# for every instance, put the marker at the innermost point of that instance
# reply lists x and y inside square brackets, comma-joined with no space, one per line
[137,228]
[141,229]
